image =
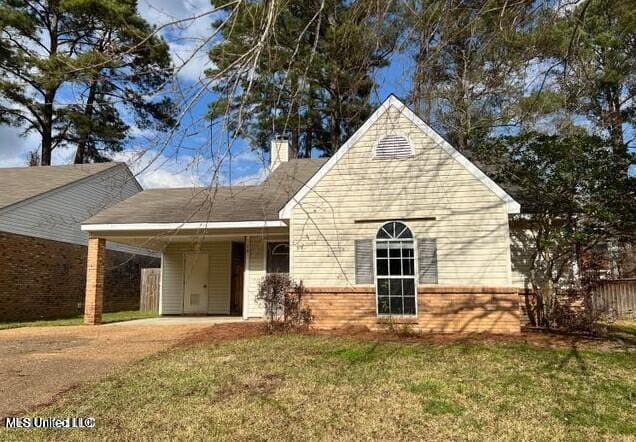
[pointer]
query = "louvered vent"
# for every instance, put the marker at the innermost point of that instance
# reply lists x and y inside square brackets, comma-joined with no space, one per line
[393,147]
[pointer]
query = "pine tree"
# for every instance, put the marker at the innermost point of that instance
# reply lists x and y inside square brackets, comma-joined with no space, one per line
[592,51]
[468,61]
[101,54]
[294,67]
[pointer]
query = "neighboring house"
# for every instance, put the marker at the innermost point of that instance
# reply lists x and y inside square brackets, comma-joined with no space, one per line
[43,249]
[396,227]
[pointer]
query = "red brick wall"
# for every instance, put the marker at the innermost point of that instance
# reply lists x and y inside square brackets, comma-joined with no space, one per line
[40,278]
[440,309]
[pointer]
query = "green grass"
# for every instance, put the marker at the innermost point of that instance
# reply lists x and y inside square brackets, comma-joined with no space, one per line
[309,387]
[626,326]
[79,320]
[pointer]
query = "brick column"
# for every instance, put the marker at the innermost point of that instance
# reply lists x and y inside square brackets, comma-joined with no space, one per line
[94,281]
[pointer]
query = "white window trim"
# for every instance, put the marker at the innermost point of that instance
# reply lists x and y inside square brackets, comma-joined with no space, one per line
[415,272]
[392,101]
[377,142]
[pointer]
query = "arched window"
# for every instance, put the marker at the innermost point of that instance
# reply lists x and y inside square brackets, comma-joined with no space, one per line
[395,270]
[277,257]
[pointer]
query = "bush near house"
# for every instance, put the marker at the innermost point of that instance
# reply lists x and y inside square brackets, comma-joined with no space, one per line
[283,300]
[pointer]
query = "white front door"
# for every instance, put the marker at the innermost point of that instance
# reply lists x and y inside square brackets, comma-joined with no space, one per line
[196,283]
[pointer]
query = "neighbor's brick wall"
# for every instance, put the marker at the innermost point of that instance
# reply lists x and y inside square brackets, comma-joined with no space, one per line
[40,278]
[440,309]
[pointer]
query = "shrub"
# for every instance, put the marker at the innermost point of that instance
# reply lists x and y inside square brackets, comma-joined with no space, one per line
[282,298]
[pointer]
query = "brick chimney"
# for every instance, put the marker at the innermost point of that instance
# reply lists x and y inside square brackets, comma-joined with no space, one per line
[279,152]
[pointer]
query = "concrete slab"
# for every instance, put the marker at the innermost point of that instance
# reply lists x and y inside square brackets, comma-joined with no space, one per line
[178,320]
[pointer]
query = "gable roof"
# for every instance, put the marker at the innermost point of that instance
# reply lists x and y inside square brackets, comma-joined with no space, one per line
[392,101]
[19,184]
[203,205]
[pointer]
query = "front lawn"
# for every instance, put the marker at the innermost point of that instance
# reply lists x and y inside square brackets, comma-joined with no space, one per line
[317,387]
[79,320]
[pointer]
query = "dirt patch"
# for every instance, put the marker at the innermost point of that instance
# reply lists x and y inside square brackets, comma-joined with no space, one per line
[38,364]
[262,385]
[537,338]
[224,332]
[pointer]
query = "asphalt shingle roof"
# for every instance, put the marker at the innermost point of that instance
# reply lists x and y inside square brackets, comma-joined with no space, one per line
[212,204]
[21,183]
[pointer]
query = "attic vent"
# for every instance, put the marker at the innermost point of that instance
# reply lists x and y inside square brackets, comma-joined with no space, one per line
[393,147]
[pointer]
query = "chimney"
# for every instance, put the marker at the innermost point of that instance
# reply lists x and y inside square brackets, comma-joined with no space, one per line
[279,152]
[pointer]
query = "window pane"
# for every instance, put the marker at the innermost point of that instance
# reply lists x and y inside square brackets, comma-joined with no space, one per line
[396,287]
[383,267]
[409,286]
[409,305]
[390,229]
[381,252]
[395,267]
[383,287]
[408,266]
[395,253]
[396,306]
[407,252]
[384,306]
[406,233]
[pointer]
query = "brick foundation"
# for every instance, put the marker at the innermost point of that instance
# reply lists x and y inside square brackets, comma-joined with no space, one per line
[40,278]
[440,309]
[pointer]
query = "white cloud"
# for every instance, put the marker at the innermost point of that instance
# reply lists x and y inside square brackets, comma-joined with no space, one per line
[157,170]
[186,38]
[14,147]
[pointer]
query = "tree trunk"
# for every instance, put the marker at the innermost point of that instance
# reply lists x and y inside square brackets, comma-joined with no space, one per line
[80,153]
[616,120]
[421,106]
[49,98]
[47,129]
[334,134]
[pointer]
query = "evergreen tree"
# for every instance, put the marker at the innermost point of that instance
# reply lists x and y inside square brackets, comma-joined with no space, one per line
[591,50]
[102,53]
[468,64]
[298,68]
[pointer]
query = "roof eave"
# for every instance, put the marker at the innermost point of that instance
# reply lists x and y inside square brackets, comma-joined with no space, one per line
[120,227]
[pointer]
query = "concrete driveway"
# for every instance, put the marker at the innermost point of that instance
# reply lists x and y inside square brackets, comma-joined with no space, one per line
[39,363]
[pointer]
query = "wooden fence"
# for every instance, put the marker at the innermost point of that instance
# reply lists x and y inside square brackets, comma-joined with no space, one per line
[618,296]
[150,280]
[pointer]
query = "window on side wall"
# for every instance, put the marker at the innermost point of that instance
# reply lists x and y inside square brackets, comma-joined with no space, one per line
[277,257]
[395,270]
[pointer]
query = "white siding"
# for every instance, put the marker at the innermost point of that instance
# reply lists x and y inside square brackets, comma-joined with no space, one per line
[172,274]
[255,273]
[57,215]
[471,225]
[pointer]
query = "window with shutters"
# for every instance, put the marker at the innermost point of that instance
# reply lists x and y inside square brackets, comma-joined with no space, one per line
[395,270]
[391,147]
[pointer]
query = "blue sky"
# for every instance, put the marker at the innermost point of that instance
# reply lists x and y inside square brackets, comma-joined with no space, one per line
[196,154]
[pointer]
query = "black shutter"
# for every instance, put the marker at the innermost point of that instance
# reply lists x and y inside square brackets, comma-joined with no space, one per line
[364,261]
[427,260]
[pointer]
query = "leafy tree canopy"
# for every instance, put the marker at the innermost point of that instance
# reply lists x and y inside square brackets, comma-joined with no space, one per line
[100,52]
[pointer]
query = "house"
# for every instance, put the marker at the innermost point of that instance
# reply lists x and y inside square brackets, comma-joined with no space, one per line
[396,228]
[43,249]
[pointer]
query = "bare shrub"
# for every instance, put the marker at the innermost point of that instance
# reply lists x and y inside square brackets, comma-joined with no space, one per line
[282,298]
[571,310]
